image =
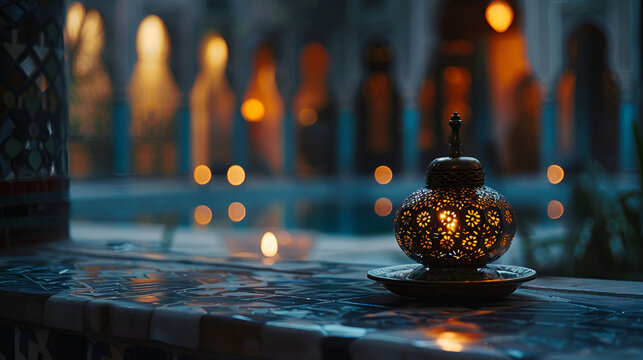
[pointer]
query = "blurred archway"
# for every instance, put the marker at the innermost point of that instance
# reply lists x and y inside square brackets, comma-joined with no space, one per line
[263,108]
[588,99]
[154,98]
[212,106]
[315,114]
[378,132]
[90,94]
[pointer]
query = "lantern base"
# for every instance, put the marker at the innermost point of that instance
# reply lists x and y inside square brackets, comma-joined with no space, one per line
[459,284]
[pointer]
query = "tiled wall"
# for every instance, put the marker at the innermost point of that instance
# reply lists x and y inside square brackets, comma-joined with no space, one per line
[34,179]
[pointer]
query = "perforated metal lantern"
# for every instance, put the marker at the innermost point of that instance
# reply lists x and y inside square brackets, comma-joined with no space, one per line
[455,220]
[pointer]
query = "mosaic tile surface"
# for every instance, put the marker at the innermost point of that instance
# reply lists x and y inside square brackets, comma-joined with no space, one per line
[298,310]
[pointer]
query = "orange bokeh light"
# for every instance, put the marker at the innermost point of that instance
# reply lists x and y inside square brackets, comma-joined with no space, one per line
[307,116]
[236,211]
[202,174]
[555,209]
[383,206]
[202,215]
[555,174]
[253,110]
[236,175]
[499,15]
[383,174]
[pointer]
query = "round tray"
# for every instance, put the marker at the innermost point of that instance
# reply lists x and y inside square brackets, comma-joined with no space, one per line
[489,282]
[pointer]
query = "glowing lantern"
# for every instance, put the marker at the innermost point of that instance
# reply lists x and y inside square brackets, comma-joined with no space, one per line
[453,227]
[455,220]
[499,15]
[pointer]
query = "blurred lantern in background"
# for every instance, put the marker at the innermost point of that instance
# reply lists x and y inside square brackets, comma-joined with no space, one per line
[315,114]
[212,106]
[154,98]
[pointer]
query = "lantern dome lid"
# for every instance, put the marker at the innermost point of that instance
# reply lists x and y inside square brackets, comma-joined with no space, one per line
[455,170]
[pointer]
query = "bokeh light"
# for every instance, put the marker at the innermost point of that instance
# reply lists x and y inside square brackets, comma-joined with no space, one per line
[269,245]
[236,211]
[555,174]
[555,209]
[307,116]
[202,215]
[383,206]
[216,52]
[151,40]
[236,175]
[499,15]
[202,174]
[383,175]
[253,110]
[449,341]
[75,16]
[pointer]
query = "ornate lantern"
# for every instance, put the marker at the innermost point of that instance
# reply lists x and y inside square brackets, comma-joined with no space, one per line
[454,226]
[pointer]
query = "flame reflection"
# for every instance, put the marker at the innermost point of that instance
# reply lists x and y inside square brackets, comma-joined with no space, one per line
[269,245]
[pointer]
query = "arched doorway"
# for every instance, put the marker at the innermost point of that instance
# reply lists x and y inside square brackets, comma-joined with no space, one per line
[588,99]
[378,135]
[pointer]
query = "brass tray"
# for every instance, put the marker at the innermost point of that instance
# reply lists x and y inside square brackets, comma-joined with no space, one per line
[417,281]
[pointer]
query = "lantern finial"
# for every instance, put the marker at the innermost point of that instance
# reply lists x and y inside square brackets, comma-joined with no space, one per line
[454,138]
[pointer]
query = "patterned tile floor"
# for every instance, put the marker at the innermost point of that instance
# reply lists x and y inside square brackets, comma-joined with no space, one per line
[297,309]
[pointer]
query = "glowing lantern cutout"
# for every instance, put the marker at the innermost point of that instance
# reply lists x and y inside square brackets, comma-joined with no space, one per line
[455,220]
[499,15]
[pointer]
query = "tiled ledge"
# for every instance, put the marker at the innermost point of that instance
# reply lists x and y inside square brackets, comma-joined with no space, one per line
[199,306]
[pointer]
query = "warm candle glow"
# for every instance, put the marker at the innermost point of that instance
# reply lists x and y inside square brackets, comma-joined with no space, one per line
[269,245]
[383,175]
[236,211]
[202,174]
[202,215]
[499,15]
[449,341]
[236,175]
[555,174]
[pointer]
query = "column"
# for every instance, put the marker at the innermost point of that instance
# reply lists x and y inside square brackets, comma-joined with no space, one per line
[548,130]
[34,171]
